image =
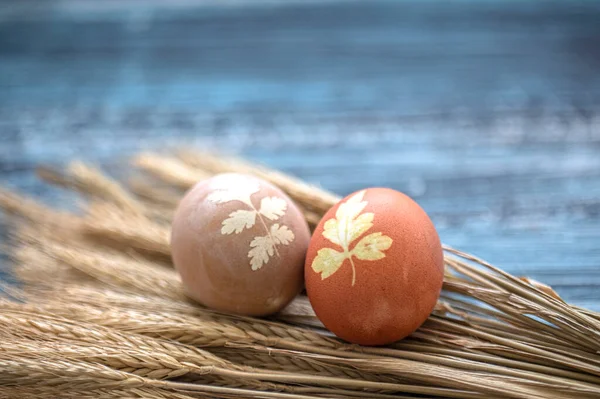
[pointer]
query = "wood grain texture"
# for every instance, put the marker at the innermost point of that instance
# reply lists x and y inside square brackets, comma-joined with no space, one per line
[486,113]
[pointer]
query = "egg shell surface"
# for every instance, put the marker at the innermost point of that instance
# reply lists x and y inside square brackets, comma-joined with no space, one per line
[239,244]
[374,268]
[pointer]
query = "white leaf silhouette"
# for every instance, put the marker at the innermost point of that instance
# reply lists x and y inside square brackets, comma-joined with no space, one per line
[262,248]
[351,208]
[328,261]
[281,234]
[343,235]
[330,231]
[272,207]
[238,221]
[240,191]
[371,247]
[359,225]
[347,226]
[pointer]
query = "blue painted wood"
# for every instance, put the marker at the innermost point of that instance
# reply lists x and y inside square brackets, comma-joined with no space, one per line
[486,112]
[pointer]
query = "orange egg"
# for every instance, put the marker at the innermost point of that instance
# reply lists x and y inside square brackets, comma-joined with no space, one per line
[374,267]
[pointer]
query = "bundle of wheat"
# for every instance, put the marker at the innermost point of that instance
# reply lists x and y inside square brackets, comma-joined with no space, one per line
[101,313]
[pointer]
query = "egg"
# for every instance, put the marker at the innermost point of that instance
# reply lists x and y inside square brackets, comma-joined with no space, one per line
[374,267]
[239,244]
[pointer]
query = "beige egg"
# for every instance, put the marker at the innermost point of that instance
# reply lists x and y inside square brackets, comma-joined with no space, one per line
[239,244]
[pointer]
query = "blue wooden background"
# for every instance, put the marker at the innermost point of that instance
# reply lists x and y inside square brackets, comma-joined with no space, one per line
[486,112]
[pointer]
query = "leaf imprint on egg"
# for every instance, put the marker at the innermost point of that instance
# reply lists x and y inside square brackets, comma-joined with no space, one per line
[347,226]
[262,248]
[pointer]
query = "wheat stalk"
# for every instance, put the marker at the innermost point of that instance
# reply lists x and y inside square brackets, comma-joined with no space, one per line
[292,345]
[59,374]
[28,321]
[492,335]
[30,210]
[211,331]
[90,181]
[267,330]
[138,361]
[24,371]
[48,327]
[154,358]
[310,197]
[98,297]
[49,392]
[210,334]
[150,193]
[110,223]
[196,168]
[115,269]
[170,170]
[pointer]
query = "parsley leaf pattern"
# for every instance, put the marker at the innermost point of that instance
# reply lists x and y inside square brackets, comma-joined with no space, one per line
[262,248]
[347,226]
[272,207]
[238,221]
[240,192]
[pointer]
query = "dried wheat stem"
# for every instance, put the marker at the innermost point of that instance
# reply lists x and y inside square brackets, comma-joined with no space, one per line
[109,223]
[491,385]
[489,358]
[191,330]
[551,336]
[521,347]
[593,316]
[520,308]
[72,373]
[459,340]
[530,339]
[269,360]
[19,318]
[170,170]
[110,299]
[481,314]
[51,393]
[30,261]
[120,271]
[360,385]
[160,196]
[159,203]
[182,176]
[475,275]
[521,302]
[107,298]
[90,181]
[64,374]
[67,375]
[205,331]
[171,290]
[557,358]
[332,356]
[144,363]
[529,292]
[28,321]
[310,197]
[28,209]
